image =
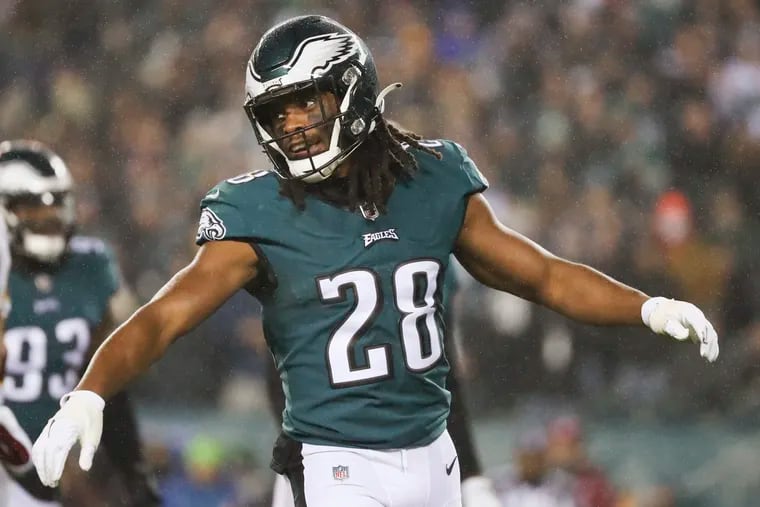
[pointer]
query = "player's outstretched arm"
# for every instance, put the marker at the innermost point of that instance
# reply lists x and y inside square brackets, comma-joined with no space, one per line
[505,260]
[218,271]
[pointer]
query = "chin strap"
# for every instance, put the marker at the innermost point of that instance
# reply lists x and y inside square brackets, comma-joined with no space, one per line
[380,102]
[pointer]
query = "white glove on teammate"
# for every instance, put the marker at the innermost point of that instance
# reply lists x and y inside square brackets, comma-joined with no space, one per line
[681,320]
[477,491]
[79,419]
[15,446]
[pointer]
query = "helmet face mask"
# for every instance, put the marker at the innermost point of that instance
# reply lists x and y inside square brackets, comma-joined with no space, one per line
[312,56]
[314,134]
[36,200]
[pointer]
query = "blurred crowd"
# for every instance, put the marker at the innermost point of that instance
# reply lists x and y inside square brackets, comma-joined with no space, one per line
[551,468]
[623,134]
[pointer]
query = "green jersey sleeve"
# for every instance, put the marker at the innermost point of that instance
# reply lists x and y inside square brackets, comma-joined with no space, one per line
[220,218]
[455,174]
[240,208]
[473,180]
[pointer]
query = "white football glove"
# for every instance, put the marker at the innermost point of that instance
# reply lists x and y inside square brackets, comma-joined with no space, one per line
[79,419]
[682,321]
[15,446]
[477,491]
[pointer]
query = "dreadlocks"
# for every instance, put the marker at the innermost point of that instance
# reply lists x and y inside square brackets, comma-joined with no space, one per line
[383,158]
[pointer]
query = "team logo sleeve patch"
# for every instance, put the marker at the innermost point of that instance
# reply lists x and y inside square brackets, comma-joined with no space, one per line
[210,227]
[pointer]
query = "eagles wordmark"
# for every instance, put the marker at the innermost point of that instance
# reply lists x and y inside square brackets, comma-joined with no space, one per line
[377,236]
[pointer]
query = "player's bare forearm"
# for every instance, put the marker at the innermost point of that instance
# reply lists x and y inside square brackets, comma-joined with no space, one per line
[194,293]
[587,295]
[127,353]
[506,260]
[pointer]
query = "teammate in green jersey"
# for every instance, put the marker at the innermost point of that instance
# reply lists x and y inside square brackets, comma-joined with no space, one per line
[65,290]
[345,247]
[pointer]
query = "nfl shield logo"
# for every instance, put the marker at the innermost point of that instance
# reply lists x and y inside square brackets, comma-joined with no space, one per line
[340,473]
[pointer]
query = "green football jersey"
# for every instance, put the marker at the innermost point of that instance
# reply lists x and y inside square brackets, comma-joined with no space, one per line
[354,320]
[49,329]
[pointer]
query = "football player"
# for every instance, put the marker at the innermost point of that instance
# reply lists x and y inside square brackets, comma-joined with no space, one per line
[346,243]
[66,288]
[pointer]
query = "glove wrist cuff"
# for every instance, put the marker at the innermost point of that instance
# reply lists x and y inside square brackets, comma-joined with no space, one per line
[649,307]
[88,397]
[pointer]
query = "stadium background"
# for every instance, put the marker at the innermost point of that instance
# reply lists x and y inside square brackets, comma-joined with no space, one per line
[623,134]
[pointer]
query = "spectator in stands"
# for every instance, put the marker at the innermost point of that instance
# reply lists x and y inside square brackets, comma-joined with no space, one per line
[568,456]
[530,483]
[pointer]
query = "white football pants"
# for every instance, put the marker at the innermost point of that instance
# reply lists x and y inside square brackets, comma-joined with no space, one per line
[282,496]
[346,477]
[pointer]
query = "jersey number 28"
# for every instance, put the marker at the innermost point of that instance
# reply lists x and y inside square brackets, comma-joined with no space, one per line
[417,310]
